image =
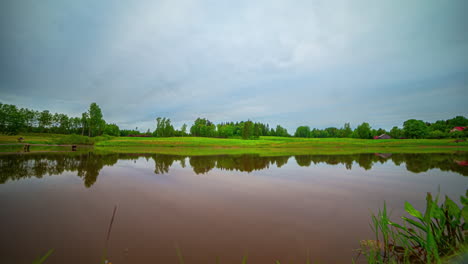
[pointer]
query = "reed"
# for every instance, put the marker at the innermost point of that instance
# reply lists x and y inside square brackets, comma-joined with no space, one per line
[435,236]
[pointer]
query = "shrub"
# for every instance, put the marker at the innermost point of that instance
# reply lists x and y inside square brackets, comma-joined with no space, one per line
[74,139]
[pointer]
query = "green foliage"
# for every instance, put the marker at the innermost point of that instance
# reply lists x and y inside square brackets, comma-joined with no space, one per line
[396,132]
[14,121]
[302,131]
[346,131]
[128,132]
[183,130]
[415,129]
[203,128]
[437,134]
[247,130]
[460,121]
[363,131]
[441,231]
[163,128]
[281,131]
[457,134]
[74,139]
[96,123]
[112,130]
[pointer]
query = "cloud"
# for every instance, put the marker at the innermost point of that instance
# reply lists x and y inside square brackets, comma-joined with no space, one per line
[321,63]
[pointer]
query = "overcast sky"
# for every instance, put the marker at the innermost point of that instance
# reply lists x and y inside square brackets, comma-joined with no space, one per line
[316,63]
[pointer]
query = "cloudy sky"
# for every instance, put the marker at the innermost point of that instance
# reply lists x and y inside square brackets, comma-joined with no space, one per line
[316,63]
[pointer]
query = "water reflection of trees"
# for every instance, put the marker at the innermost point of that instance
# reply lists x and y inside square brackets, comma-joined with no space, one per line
[248,163]
[88,165]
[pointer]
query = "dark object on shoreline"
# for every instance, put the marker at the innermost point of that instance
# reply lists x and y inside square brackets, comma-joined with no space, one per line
[26,147]
[20,139]
[459,140]
[73,147]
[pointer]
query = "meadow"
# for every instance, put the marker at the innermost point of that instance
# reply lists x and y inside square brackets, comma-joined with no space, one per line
[262,146]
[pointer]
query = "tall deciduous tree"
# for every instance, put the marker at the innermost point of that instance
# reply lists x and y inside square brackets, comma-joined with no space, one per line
[96,123]
[247,130]
[302,131]
[415,128]
[363,131]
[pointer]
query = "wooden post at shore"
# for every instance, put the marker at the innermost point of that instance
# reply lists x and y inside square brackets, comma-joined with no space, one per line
[73,147]
[26,147]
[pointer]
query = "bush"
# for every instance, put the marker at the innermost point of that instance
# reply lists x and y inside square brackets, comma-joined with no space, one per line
[103,138]
[74,139]
[456,134]
[437,134]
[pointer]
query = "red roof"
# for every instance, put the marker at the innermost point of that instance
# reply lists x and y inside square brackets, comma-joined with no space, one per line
[459,128]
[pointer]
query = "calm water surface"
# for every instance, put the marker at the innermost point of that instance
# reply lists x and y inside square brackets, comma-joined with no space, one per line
[269,208]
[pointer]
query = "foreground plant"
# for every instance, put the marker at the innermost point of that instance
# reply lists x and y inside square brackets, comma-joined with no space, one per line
[441,233]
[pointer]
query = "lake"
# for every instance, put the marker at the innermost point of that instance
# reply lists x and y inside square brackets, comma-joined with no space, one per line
[207,207]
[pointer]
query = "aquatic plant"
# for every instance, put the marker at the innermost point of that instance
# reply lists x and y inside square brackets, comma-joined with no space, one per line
[441,233]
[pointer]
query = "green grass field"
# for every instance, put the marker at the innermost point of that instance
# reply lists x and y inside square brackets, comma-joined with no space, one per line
[262,146]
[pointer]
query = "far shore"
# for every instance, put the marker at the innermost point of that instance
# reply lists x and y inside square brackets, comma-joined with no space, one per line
[268,146]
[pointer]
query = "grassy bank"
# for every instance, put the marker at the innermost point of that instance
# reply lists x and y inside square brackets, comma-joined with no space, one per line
[262,146]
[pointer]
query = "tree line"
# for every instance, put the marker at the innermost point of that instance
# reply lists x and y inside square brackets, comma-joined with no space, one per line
[203,127]
[412,128]
[14,120]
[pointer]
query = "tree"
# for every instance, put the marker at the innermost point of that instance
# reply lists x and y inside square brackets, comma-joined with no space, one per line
[84,122]
[203,128]
[302,131]
[346,131]
[396,132]
[332,132]
[183,130]
[363,131]
[457,121]
[247,130]
[415,128]
[163,128]
[11,119]
[256,131]
[436,134]
[281,131]
[112,130]
[45,120]
[96,123]
[440,125]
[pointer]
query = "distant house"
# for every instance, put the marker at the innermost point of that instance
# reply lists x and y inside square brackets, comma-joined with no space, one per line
[462,162]
[457,129]
[383,136]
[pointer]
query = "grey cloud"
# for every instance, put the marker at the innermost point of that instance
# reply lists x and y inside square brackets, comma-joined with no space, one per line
[320,63]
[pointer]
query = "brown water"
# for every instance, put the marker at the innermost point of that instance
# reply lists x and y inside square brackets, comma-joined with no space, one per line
[269,208]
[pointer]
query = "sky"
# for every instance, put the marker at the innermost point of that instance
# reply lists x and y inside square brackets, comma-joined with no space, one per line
[316,63]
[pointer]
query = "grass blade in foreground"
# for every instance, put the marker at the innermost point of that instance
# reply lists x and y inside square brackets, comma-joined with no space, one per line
[42,259]
[437,236]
